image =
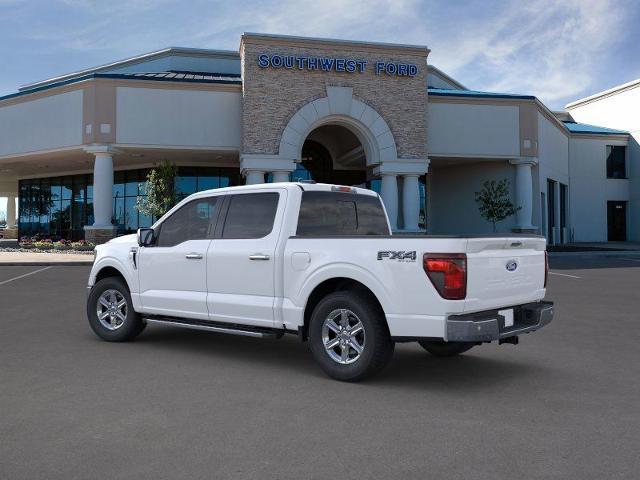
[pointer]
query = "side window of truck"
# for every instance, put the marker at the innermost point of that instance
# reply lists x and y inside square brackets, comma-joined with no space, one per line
[250,215]
[193,221]
[337,213]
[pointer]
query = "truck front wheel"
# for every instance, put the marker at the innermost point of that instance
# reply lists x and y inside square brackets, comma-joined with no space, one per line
[445,349]
[110,311]
[349,337]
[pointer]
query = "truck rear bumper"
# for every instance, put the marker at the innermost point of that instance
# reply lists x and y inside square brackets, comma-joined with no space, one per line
[490,325]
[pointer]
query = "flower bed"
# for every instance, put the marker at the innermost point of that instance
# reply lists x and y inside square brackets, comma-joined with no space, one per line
[38,244]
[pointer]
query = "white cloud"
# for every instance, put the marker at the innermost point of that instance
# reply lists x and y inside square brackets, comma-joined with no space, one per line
[545,48]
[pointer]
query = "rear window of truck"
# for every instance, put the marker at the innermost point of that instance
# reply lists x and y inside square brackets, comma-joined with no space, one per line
[338,213]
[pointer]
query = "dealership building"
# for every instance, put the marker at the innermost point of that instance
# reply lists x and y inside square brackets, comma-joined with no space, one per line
[75,150]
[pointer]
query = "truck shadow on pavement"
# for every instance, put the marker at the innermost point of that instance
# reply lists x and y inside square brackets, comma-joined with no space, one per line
[409,368]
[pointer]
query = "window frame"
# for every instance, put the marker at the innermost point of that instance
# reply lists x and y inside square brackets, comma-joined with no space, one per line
[213,221]
[358,199]
[625,175]
[219,230]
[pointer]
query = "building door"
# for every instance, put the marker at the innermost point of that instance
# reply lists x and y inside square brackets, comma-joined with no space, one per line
[551,209]
[563,213]
[617,221]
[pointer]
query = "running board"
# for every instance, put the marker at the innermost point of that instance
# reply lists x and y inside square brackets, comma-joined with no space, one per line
[215,327]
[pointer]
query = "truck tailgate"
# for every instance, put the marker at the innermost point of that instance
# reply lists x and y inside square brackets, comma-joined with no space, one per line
[504,271]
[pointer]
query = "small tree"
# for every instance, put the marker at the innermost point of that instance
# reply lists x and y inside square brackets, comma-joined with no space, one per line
[161,193]
[494,201]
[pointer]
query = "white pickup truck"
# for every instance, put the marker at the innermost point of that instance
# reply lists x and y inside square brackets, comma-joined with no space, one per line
[318,261]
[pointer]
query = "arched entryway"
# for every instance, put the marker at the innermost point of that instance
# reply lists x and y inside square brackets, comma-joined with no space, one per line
[333,154]
[340,139]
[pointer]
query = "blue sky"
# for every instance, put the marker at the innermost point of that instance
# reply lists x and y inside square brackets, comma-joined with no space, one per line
[556,50]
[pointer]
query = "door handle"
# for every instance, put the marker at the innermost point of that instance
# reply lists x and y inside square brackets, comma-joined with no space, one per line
[193,256]
[259,256]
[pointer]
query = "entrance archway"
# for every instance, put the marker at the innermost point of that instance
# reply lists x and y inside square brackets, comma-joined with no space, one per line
[334,154]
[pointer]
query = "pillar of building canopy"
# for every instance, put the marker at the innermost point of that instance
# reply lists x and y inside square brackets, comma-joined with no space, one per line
[524,194]
[102,229]
[253,168]
[409,171]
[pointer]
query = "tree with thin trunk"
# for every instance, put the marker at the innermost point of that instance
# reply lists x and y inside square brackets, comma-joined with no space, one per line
[494,201]
[161,192]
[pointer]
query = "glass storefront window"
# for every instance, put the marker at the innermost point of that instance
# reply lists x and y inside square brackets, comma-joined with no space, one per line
[60,207]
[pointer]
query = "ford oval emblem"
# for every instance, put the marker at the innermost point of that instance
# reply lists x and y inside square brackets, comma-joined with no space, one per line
[512,266]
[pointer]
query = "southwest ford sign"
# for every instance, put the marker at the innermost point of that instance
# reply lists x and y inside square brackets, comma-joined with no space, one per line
[333,64]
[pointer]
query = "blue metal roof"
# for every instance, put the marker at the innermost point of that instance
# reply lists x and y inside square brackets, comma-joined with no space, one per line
[585,128]
[188,77]
[445,92]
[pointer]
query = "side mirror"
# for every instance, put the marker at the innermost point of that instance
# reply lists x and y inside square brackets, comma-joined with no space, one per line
[146,237]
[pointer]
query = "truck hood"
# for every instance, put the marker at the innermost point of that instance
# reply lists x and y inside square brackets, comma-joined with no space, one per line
[129,239]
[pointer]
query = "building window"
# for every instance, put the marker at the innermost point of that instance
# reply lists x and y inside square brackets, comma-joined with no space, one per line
[59,207]
[616,161]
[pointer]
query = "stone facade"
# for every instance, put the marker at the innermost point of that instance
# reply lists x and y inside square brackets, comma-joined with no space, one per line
[271,96]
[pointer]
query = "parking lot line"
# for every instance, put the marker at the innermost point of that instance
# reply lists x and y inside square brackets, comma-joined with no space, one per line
[632,259]
[25,275]
[564,275]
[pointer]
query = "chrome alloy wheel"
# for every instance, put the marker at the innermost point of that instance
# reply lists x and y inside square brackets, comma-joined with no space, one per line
[343,336]
[112,309]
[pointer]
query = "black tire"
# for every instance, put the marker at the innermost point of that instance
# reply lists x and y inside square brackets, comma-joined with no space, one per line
[378,346]
[445,349]
[132,324]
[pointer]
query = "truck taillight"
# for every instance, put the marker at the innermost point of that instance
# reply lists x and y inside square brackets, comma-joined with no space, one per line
[448,273]
[546,268]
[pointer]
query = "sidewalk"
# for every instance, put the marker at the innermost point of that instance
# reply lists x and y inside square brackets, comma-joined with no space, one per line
[35,259]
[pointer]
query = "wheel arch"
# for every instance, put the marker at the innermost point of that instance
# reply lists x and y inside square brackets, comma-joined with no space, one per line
[112,268]
[332,285]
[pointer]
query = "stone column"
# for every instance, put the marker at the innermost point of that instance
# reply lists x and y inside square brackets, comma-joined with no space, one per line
[280,176]
[11,212]
[253,177]
[524,194]
[102,229]
[389,194]
[410,202]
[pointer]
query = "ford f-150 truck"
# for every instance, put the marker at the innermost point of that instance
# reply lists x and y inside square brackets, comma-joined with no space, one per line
[318,261]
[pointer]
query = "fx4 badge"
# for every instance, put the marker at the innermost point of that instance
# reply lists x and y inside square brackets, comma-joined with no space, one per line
[400,256]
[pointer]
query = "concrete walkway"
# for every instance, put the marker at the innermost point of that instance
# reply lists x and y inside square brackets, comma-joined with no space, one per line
[33,258]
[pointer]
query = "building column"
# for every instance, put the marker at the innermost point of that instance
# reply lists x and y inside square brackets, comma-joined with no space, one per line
[11,212]
[102,229]
[280,176]
[410,202]
[253,166]
[389,194]
[524,193]
[410,170]
[253,177]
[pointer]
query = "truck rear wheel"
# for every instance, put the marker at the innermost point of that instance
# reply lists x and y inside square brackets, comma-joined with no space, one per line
[445,349]
[349,337]
[110,311]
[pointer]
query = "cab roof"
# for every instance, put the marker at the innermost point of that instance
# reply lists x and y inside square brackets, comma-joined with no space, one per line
[315,187]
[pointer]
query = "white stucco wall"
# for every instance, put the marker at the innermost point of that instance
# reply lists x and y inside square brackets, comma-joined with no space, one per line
[42,124]
[190,118]
[466,129]
[620,111]
[453,209]
[590,189]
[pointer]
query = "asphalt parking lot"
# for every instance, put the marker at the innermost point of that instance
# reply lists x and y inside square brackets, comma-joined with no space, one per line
[564,404]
